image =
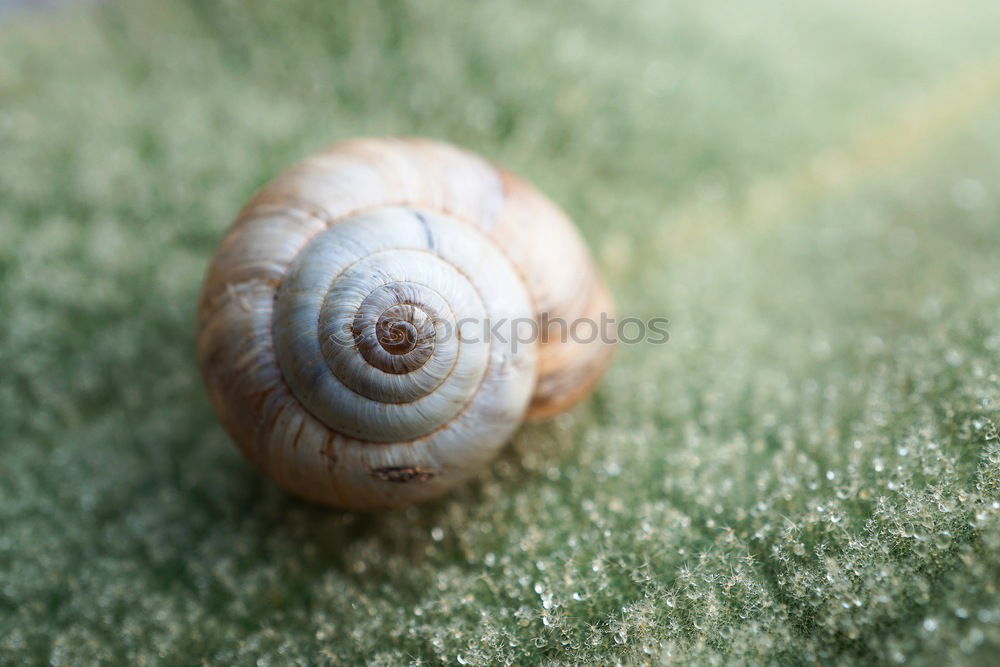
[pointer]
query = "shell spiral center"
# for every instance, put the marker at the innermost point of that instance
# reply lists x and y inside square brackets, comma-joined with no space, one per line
[394,329]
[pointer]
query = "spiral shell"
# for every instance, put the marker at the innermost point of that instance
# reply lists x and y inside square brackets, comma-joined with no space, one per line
[359,325]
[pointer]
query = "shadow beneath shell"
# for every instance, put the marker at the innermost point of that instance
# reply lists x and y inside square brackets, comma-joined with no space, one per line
[227,535]
[429,530]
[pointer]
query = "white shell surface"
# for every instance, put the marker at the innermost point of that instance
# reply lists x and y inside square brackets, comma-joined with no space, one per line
[441,266]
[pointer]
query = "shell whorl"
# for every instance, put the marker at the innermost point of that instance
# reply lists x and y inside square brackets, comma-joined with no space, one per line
[341,325]
[366,325]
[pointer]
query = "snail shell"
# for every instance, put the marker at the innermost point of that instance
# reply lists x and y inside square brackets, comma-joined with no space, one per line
[341,324]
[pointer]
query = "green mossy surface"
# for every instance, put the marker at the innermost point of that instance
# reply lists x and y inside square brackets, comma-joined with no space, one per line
[809,471]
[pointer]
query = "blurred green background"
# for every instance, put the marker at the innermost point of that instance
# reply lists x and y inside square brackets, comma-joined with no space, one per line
[808,471]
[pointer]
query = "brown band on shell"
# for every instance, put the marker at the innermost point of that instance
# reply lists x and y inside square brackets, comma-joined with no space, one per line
[403,474]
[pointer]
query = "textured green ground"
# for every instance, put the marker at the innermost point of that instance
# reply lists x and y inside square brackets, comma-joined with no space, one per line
[809,470]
